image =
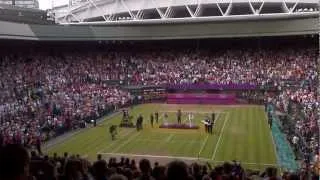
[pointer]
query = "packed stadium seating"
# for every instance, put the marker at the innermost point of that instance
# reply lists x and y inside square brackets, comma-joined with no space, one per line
[44,93]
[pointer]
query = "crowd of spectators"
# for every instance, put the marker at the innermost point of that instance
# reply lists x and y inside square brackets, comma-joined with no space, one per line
[301,121]
[265,67]
[42,92]
[15,163]
[299,101]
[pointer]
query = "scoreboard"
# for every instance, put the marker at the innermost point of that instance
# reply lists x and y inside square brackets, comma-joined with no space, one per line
[148,93]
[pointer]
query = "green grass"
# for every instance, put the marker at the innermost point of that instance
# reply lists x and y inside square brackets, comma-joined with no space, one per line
[241,133]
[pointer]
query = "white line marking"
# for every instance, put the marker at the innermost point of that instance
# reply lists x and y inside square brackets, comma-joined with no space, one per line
[195,112]
[126,142]
[112,143]
[151,156]
[169,138]
[68,136]
[203,145]
[206,140]
[161,117]
[178,157]
[170,141]
[217,145]
[217,118]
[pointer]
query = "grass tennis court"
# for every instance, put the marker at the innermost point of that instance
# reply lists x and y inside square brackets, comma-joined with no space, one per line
[240,133]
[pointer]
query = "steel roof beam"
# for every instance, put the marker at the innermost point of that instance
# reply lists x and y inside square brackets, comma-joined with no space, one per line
[126,7]
[108,10]
[171,13]
[281,16]
[75,17]
[110,15]
[256,11]
[285,7]
[166,14]
[158,10]
[228,10]
[139,14]
[92,3]
[168,9]
[199,9]
[294,6]
[190,11]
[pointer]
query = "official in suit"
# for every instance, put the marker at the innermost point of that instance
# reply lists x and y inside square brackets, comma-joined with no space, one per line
[151,120]
[157,117]
[213,117]
[179,116]
[210,126]
[206,124]
[139,123]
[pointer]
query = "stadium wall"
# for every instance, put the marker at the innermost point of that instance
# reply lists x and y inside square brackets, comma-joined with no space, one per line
[10,30]
[203,98]
[193,30]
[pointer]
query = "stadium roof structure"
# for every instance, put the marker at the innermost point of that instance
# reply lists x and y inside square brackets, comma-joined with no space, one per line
[161,11]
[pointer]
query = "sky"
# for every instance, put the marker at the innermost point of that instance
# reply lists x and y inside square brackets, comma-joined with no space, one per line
[47,4]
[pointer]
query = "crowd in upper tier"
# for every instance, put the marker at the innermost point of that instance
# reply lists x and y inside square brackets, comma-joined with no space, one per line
[176,67]
[45,91]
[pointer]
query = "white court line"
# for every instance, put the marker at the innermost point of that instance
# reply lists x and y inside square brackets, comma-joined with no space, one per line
[187,118]
[160,118]
[169,138]
[206,140]
[167,141]
[112,143]
[195,112]
[179,157]
[126,142]
[203,145]
[70,135]
[217,145]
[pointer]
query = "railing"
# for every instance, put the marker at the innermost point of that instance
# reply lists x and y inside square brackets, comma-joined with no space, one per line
[285,154]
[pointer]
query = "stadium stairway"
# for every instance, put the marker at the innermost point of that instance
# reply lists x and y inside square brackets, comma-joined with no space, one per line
[285,154]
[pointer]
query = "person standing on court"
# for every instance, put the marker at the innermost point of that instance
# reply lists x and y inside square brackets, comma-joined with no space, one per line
[265,106]
[179,116]
[270,119]
[166,118]
[139,123]
[95,122]
[210,125]
[213,117]
[206,124]
[151,119]
[113,132]
[157,117]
